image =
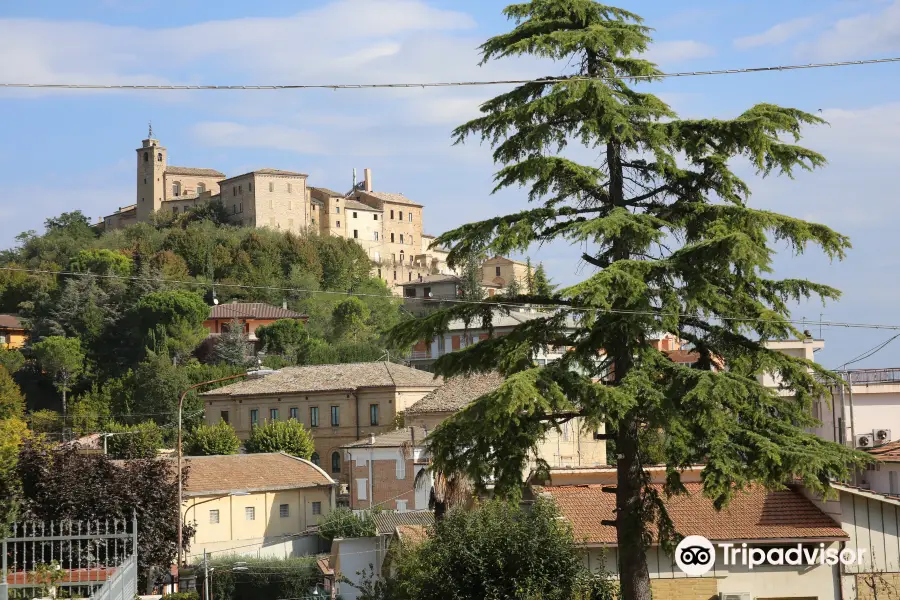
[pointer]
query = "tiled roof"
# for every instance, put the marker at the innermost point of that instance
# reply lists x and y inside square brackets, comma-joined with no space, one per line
[391,439]
[356,205]
[889,452]
[278,172]
[412,535]
[327,192]
[193,171]
[251,310]
[388,521]
[320,378]
[456,393]
[324,565]
[10,322]
[210,475]
[755,515]
[433,279]
[390,197]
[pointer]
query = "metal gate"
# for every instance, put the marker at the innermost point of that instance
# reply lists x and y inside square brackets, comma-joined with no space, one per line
[96,559]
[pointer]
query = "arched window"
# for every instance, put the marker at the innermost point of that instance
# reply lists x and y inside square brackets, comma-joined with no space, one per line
[176,188]
[159,157]
[201,187]
[146,157]
[335,462]
[315,458]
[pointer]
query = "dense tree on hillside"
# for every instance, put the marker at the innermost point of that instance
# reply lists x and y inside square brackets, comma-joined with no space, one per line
[542,285]
[675,247]
[290,437]
[62,360]
[232,347]
[209,440]
[350,318]
[11,359]
[13,433]
[12,403]
[101,262]
[472,277]
[128,442]
[172,321]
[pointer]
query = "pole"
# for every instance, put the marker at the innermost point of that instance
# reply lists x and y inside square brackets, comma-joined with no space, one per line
[4,587]
[205,576]
[180,473]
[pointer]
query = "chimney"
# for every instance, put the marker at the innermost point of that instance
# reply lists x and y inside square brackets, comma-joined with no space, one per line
[412,436]
[368,179]
[284,304]
[371,439]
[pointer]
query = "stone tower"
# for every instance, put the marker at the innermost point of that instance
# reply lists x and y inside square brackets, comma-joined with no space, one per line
[151,178]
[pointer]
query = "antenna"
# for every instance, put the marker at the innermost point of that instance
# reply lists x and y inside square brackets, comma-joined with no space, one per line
[150,128]
[354,178]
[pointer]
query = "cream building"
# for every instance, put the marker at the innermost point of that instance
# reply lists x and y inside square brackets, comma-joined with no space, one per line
[259,504]
[501,271]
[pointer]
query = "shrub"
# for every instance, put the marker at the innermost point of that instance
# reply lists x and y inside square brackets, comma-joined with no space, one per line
[134,441]
[209,440]
[289,437]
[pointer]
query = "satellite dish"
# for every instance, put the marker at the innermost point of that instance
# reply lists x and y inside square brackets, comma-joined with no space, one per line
[215,300]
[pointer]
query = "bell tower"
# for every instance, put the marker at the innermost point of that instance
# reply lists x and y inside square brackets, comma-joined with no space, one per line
[151,169]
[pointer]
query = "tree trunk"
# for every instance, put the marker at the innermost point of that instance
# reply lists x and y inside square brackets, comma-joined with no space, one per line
[64,404]
[634,574]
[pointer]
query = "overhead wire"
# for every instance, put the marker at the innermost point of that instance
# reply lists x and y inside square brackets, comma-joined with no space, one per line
[444,84]
[868,353]
[500,304]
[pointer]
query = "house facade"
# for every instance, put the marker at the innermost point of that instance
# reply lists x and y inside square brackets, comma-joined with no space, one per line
[251,315]
[339,404]
[12,332]
[255,504]
[501,271]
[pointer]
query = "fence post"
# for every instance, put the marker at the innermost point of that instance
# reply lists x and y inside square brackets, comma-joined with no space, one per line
[4,587]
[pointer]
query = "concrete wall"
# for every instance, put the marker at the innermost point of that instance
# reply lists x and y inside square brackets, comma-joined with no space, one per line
[352,556]
[364,225]
[189,185]
[277,547]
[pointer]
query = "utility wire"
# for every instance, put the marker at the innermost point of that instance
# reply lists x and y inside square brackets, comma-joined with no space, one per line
[582,309]
[868,353]
[444,84]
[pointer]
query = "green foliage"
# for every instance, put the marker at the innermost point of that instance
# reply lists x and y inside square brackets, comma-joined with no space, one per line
[209,440]
[675,246]
[12,434]
[61,359]
[172,321]
[12,403]
[11,359]
[285,337]
[101,262]
[344,523]
[92,410]
[46,421]
[263,578]
[288,436]
[472,276]
[349,319]
[232,347]
[497,550]
[542,285]
[133,441]
[182,596]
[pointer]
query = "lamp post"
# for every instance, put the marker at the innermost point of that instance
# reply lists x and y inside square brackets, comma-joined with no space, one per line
[251,374]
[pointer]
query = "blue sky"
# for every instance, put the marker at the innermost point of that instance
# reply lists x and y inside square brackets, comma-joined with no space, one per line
[74,150]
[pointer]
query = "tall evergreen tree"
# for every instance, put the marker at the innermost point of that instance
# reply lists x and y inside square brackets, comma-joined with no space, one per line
[542,285]
[677,249]
[472,276]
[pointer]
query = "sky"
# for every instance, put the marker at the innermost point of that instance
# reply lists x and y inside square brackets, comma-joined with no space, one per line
[67,150]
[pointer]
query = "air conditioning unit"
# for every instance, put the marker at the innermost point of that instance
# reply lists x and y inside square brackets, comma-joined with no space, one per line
[735,596]
[865,440]
[882,436]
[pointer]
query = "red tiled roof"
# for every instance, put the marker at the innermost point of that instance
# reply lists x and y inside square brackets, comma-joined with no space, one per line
[757,514]
[10,322]
[251,310]
[193,171]
[210,475]
[889,452]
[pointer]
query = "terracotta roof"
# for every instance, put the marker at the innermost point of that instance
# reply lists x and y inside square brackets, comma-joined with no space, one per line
[457,393]
[278,172]
[210,475]
[251,310]
[327,192]
[387,522]
[889,452]
[320,378]
[755,515]
[435,279]
[193,171]
[390,197]
[391,439]
[355,205]
[324,565]
[412,535]
[10,322]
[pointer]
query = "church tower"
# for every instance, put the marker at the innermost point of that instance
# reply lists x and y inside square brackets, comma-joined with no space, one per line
[151,179]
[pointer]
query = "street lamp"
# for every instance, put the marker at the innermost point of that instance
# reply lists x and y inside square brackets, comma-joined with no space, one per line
[249,374]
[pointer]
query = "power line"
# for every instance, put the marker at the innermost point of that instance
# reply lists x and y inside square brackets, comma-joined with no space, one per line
[868,353]
[444,84]
[581,309]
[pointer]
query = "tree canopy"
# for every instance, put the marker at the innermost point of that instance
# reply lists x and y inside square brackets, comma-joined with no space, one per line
[675,247]
[288,436]
[209,440]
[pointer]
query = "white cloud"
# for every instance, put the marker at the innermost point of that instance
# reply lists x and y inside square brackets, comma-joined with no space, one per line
[664,53]
[777,34]
[865,35]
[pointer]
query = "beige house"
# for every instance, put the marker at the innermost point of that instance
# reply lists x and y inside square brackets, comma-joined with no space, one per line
[255,504]
[267,198]
[501,271]
[340,404]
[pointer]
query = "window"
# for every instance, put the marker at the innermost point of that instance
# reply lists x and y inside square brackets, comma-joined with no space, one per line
[401,238]
[175,210]
[401,467]
[214,516]
[335,416]
[401,505]
[284,511]
[250,513]
[354,214]
[355,234]
[895,486]
[290,188]
[315,459]
[376,236]
[146,159]
[361,489]
[376,217]
[254,417]
[313,416]
[426,292]
[392,237]
[401,215]
[409,215]
[176,188]
[224,415]
[377,256]
[271,204]
[294,413]
[250,186]
[240,189]
[233,191]
[159,157]
[392,214]
[395,275]
[337,210]
[497,271]
[290,205]
[271,186]
[409,292]
[317,508]
[337,224]
[335,462]
[379,273]
[240,207]
[373,410]
[201,188]
[273,414]
[290,223]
